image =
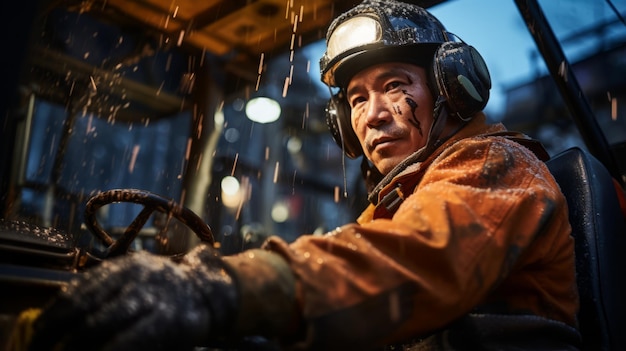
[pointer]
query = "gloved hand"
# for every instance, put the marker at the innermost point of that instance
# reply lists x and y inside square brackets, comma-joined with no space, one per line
[142,302]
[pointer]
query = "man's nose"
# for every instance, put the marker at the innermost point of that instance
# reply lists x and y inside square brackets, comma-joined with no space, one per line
[378,111]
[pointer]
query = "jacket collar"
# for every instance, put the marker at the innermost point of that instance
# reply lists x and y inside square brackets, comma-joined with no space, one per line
[391,191]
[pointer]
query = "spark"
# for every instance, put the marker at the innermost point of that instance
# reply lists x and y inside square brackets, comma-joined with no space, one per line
[133,158]
[181,35]
[188,151]
[93,84]
[286,86]
[160,89]
[239,207]
[276,169]
[90,128]
[245,186]
[232,172]
[260,70]
[200,122]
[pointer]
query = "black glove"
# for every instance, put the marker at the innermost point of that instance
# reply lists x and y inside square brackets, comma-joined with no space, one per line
[142,302]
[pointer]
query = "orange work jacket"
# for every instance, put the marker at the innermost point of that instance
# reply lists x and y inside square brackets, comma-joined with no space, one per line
[479,225]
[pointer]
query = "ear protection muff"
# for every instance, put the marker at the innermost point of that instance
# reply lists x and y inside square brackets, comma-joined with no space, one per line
[462,78]
[338,121]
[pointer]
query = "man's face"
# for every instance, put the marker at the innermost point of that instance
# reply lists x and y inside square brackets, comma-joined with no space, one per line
[392,111]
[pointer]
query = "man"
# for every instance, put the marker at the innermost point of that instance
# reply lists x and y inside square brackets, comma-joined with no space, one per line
[465,245]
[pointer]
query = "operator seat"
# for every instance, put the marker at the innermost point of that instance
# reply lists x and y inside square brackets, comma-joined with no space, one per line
[599,229]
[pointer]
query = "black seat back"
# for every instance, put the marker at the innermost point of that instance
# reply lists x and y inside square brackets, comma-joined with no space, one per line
[599,228]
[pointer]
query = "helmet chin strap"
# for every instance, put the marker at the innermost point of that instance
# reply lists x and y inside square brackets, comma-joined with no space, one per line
[433,141]
[440,117]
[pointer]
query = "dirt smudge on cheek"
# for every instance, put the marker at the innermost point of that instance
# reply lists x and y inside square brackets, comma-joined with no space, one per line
[397,110]
[413,120]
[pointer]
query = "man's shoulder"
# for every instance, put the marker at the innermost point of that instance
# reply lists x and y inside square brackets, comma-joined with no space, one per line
[502,140]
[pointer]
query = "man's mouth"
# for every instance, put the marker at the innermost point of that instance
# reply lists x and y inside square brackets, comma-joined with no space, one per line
[382,141]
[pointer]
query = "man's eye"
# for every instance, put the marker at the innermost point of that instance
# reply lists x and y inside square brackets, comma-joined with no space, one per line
[356,100]
[393,85]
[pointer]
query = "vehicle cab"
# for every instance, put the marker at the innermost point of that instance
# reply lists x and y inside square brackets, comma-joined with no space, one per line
[154,125]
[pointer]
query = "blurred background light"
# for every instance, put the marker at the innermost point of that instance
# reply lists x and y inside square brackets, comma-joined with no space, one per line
[280,212]
[231,192]
[262,110]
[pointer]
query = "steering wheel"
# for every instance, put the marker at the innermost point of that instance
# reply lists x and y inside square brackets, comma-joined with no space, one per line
[151,202]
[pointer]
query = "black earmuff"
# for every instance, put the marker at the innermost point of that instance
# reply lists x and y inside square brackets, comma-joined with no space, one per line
[338,121]
[462,78]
